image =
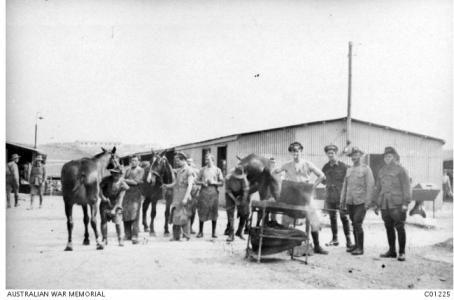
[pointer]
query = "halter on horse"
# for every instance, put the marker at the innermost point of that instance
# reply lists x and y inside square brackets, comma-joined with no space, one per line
[80,185]
[159,172]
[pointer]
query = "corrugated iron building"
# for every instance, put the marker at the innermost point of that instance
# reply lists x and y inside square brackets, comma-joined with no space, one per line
[420,154]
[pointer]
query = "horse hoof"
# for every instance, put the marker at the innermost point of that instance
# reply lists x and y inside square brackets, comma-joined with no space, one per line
[86,242]
[152,233]
[146,230]
[166,233]
[99,247]
[69,248]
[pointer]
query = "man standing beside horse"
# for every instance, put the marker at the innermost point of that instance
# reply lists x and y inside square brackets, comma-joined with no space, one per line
[236,195]
[113,189]
[132,200]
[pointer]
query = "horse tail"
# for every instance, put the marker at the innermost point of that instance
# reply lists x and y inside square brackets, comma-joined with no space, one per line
[79,182]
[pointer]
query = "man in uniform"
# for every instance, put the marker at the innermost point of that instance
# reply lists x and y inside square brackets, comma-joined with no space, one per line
[37,180]
[356,197]
[335,171]
[132,200]
[236,195]
[12,180]
[393,189]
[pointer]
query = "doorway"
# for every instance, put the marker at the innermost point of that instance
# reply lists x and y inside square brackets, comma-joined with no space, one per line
[204,153]
[375,162]
[222,159]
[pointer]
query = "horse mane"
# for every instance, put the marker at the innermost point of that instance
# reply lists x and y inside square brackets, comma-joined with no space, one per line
[167,172]
[99,155]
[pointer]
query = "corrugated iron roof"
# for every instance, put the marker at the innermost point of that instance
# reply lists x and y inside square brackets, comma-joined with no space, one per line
[235,136]
[25,147]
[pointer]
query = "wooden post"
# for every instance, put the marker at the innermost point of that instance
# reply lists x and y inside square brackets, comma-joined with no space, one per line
[349,103]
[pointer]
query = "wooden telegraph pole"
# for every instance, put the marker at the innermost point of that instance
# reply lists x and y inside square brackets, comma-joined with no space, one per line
[349,104]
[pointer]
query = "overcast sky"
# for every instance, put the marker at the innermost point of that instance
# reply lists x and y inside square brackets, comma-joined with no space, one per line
[178,71]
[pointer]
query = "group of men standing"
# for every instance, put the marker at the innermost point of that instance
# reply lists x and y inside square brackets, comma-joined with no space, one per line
[353,190]
[36,178]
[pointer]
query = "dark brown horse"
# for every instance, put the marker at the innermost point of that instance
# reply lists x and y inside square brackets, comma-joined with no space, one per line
[159,172]
[257,169]
[80,185]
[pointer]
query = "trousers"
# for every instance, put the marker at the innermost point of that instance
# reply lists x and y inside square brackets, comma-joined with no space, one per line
[333,207]
[357,214]
[395,221]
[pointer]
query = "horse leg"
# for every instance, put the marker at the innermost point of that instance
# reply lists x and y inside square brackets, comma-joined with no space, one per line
[167,215]
[69,223]
[153,216]
[145,205]
[86,220]
[94,212]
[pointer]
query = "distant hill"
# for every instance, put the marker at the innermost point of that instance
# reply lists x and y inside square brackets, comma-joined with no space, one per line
[69,151]
[59,153]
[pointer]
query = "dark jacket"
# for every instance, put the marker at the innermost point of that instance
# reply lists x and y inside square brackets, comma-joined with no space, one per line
[335,175]
[393,186]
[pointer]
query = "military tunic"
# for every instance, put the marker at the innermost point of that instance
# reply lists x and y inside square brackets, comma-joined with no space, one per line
[335,174]
[37,178]
[393,187]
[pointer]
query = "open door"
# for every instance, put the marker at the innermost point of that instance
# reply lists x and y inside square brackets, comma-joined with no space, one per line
[375,162]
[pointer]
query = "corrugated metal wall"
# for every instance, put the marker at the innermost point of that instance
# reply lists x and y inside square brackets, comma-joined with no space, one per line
[422,157]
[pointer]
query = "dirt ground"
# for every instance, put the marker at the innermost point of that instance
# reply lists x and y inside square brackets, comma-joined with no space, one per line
[35,258]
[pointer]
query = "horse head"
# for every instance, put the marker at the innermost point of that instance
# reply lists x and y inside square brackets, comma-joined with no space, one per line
[108,159]
[161,169]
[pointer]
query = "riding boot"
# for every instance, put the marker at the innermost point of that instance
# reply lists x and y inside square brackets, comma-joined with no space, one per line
[40,201]
[360,246]
[353,247]
[200,234]
[317,248]
[213,229]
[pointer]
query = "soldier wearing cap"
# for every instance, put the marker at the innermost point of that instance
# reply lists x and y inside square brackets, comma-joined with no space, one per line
[300,170]
[12,180]
[236,195]
[112,192]
[36,180]
[356,197]
[393,189]
[335,171]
